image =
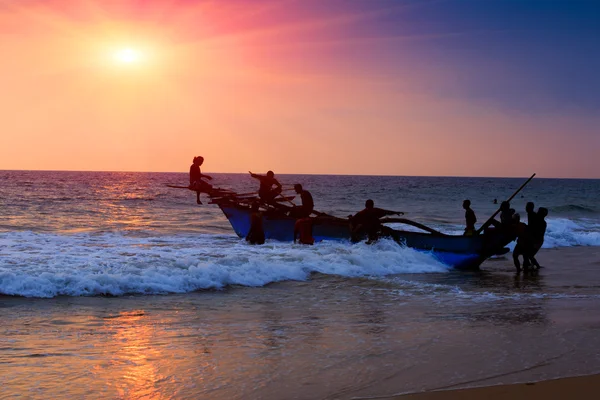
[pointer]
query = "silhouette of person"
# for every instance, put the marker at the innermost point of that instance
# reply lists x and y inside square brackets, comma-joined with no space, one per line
[266,191]
[531,214]
[470,218]
[256,234]
[367,220]
[495,201]
[538,232]
[506,213]
[303,230]
[196,182]
[523,246]
[307,206]
[531,226]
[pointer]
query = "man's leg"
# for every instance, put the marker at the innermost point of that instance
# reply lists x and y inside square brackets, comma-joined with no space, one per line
[516,254]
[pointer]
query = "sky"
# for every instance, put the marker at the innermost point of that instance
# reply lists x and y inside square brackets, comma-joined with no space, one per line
[376,87]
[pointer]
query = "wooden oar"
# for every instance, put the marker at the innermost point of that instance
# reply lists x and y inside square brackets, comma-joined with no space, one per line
[490,219]
[222,191]
[179,187]
[320,214]
[286,199]
[413,223]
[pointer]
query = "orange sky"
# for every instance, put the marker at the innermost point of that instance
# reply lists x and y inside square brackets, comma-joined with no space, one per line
[255,86]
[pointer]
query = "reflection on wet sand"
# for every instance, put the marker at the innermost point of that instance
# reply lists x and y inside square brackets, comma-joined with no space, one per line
[132,357]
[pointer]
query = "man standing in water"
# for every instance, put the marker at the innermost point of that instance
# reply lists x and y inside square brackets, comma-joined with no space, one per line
[196,182]
[531,214]
[303,231]
[367,220]
[256,234]
[538,232]
[470,218]
[531,227]
[523,246]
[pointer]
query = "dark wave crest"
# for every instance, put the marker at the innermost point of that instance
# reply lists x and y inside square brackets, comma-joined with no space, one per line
[574,208]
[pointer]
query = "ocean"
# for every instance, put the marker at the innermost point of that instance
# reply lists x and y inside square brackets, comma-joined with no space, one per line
[113,285]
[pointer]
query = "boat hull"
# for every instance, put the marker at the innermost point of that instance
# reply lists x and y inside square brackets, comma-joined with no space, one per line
[464,252]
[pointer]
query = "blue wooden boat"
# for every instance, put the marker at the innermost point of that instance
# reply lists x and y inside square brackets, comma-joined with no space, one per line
[463,252]
[458,251]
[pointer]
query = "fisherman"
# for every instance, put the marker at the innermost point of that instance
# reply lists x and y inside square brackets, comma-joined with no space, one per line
[256,234]
[303,230]
[196,182]
[506,213]
[531,226]
[307,206]
[367,220]
[538,232]
[523,246]
[266,191]
[470,218]
[531,214]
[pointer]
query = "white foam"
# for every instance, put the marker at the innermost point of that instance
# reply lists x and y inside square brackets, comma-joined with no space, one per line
[441,292]
[48,265]
[560,232]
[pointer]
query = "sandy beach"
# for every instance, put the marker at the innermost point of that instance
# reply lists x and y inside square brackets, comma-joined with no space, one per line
[581,387]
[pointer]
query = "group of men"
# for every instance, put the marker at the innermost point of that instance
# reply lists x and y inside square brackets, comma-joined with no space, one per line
[366,221]
[530,236]
[270,189]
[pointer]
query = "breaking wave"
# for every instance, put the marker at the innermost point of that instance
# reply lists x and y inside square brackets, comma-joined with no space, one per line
[49,265]
[91,264]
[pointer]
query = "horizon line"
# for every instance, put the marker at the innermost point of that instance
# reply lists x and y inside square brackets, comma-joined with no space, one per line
[296,173]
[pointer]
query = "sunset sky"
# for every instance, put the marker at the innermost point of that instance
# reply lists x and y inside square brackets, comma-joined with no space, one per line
[383,87]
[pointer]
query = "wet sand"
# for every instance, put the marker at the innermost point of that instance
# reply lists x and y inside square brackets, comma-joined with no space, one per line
[582,387]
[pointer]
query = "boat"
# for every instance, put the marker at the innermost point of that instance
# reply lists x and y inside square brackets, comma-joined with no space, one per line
[457,251]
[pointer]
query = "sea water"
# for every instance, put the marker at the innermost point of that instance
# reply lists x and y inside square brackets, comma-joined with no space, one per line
[104,233]
[128,289]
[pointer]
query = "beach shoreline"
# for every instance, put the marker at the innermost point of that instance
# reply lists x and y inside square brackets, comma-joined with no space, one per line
[579,387]
[328,336]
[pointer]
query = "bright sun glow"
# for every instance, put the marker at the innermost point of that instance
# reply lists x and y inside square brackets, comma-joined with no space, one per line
[127,56]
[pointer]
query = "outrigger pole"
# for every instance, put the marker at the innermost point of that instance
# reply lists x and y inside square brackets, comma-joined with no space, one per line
[489,221]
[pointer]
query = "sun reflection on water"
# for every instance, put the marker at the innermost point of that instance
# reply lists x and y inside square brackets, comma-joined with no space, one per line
[134,362]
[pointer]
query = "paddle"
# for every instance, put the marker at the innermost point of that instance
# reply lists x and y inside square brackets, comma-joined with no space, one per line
[179,187]
[490,219]
[286,199]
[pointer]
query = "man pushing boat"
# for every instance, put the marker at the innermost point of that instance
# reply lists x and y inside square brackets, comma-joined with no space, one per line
[367,221]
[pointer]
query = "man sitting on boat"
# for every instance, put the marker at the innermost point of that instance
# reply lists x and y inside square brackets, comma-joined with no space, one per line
[307,206]
[196,182]
[266,192]
[367,221]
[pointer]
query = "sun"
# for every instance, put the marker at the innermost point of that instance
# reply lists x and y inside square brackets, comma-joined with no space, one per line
[127,55]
